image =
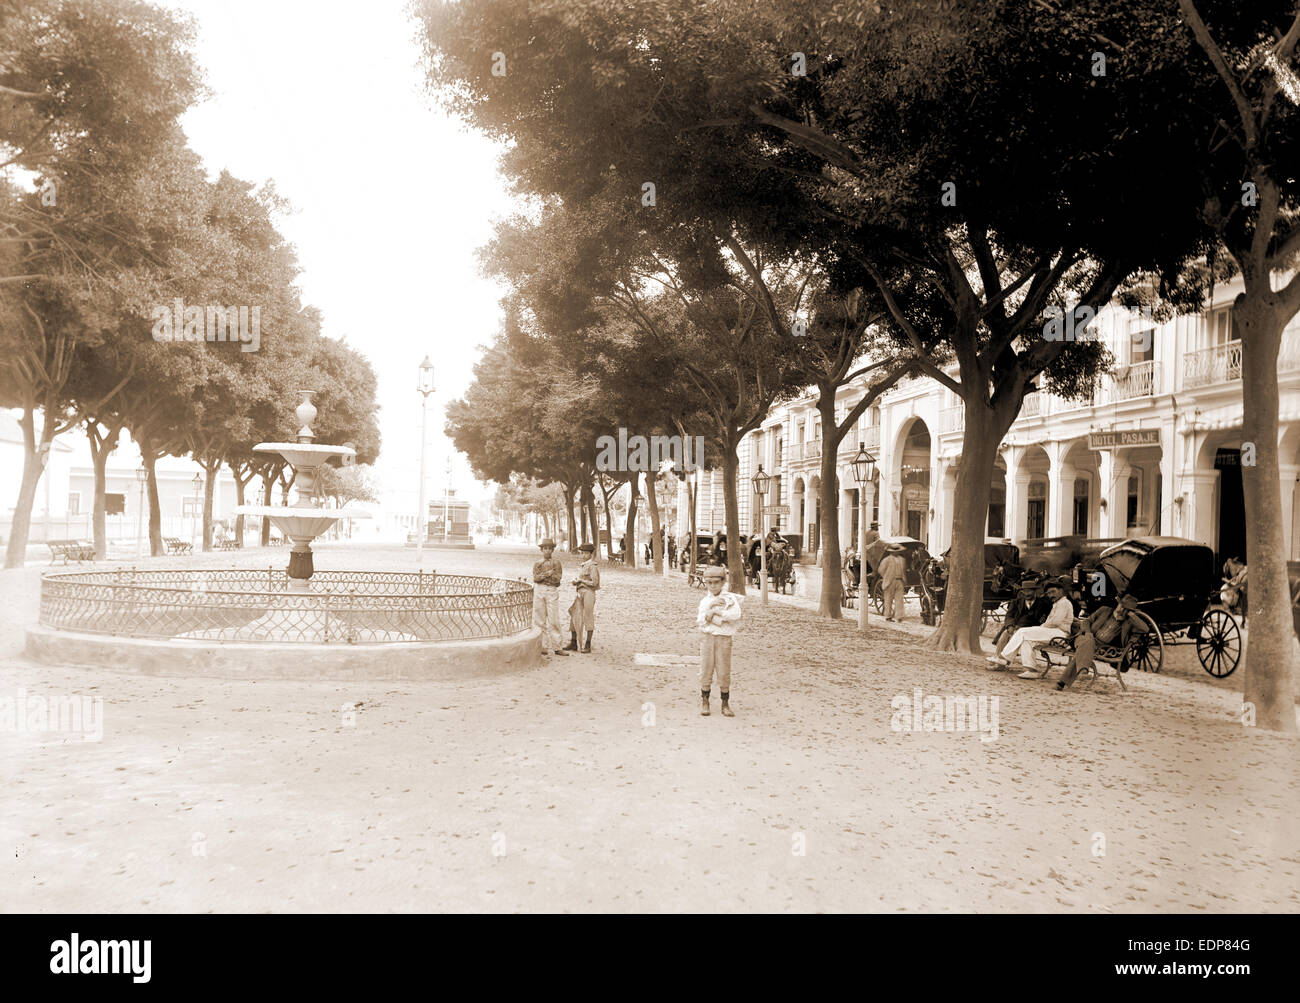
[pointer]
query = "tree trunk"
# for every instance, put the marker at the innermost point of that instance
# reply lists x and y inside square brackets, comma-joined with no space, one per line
[99,453]
[731,516]
[830,603]
[609,528]
[34,459]
[985,427]
[569,492]
[150,460]
[266,500]
[692,491]
[629,525]
[239,501]
[1270,678]
[656,540]
[209,471]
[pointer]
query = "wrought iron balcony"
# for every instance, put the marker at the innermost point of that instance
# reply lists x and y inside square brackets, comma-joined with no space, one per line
[1140,380]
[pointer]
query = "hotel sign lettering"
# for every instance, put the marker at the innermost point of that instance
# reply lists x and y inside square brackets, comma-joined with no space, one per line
[1121,439]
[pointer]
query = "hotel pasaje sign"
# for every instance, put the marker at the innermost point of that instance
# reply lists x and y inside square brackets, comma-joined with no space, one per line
[1129,437]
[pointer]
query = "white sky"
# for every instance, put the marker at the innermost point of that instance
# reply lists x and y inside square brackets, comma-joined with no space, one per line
[392,198]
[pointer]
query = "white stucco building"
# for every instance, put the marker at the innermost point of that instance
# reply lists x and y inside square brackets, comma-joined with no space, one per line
[1156,450]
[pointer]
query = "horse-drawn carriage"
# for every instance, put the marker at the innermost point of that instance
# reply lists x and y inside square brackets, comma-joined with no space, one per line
[1002,573]
[1176,585]
[915,559]
[780,565]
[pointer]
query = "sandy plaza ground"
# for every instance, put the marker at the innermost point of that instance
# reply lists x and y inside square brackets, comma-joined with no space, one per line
[593,783]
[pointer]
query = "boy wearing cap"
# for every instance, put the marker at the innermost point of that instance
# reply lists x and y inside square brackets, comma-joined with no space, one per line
[547,575]
[717,618]
[1057,624]
[582,613]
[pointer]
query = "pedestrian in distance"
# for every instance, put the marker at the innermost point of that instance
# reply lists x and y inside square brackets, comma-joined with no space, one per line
[718,615]
[548,573]
[582,612]
[893,584]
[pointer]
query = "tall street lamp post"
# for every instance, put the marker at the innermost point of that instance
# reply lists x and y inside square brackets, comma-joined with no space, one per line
[425,387]
[446,500]
[862,467]
[141,476]
[761,483]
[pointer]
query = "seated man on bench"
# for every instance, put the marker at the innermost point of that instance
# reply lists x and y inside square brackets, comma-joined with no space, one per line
[1103,636]
[1023,640]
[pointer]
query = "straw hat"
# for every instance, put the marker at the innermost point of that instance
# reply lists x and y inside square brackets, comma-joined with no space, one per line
[548,542]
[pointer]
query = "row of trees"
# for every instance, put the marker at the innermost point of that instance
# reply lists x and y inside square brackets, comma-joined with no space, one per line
[119,258]
[733,201]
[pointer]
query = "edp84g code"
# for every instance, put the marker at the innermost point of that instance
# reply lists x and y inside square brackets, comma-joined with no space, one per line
[1217,945]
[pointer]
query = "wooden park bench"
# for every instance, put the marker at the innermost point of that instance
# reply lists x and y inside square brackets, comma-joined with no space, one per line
[70,550]
[228,545]
[1059,651]
[177,546]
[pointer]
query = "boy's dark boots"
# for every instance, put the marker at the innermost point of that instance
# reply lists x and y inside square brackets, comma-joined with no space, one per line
[726,707]
[704,703]
[573,641]
[587,646]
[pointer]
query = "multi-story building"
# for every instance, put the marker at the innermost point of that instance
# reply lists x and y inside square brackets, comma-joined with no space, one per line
[1157,450]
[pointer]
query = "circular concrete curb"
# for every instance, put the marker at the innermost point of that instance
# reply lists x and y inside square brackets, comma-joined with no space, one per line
[432,661]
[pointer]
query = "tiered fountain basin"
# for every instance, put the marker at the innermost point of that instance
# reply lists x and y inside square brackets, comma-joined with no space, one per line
[249,624]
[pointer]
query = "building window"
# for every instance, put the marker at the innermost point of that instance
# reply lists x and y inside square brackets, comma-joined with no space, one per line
[780,450]
[1036,516]
[1223,327]
[1081,488]
[114,504]
[74,503]
[1134,494]
[1142,346]
[997,512]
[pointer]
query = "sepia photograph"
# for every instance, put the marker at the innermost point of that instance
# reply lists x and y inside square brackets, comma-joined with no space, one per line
[670,457]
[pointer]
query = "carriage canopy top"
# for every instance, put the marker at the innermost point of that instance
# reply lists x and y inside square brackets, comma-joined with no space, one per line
[1153,567]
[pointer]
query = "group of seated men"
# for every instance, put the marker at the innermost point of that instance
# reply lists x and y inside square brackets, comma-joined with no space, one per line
[1038,619]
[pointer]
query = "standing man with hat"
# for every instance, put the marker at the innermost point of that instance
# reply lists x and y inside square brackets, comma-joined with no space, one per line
[1057,624]
[548,573]
[582,613]
[893,575]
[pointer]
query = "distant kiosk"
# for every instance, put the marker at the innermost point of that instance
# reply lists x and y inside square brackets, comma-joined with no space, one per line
[457,536]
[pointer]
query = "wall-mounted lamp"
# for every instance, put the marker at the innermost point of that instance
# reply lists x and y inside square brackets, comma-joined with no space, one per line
[1103,504]
[1179,500]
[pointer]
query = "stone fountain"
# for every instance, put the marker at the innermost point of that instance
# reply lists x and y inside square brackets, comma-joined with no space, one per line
[303,523]
[242,623]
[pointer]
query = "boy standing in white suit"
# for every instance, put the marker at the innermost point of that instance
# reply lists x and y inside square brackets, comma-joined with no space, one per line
[717,618]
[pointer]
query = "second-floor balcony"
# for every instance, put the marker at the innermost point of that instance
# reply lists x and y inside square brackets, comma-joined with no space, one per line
[952,419]
[1216,364]
[1222,363]
[1139,380]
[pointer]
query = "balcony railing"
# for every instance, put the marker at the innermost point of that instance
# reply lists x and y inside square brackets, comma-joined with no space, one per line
[869,437]
[952,419]
[1217,364]
[1033,405]
[1140,380]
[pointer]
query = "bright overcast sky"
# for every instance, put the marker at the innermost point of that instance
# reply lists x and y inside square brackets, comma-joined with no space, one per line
[392,198]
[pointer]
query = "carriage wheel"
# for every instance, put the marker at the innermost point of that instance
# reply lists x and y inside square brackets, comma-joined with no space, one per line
[927,609]
[877,598]
[1145,652]
[1219,644]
